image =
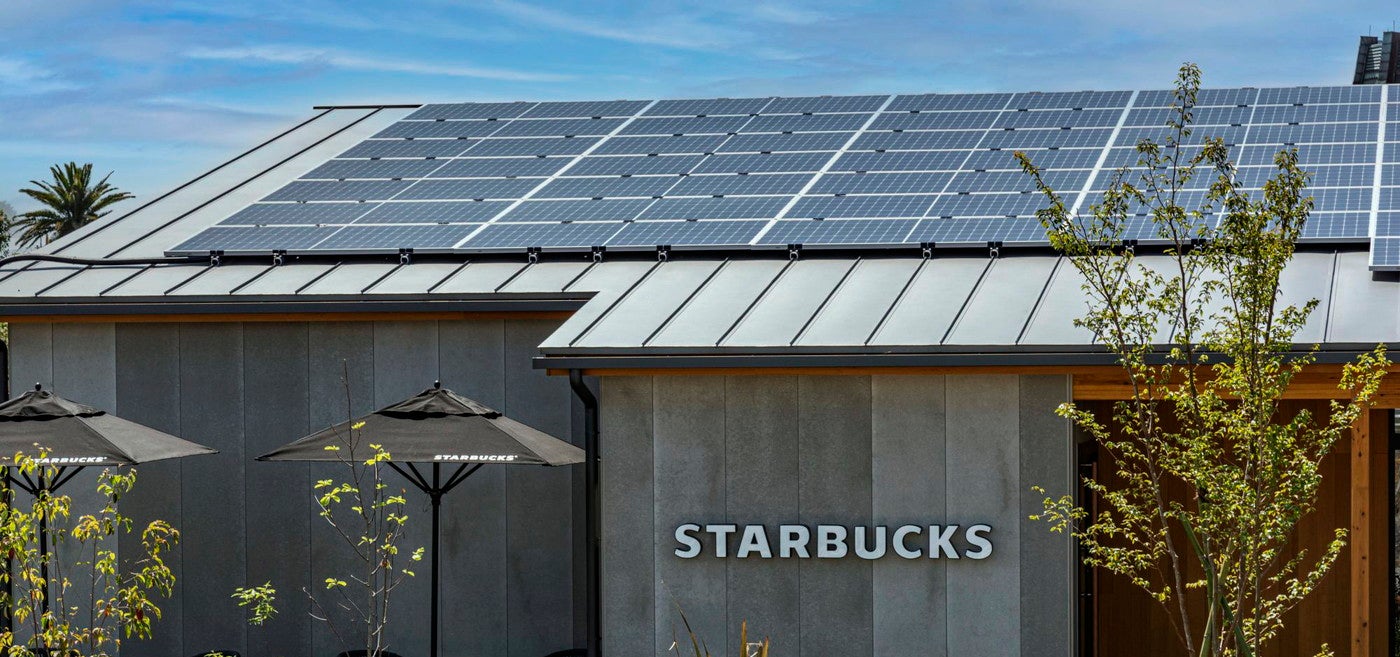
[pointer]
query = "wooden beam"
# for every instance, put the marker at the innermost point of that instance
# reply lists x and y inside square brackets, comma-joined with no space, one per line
[1315,382]
[1369,538]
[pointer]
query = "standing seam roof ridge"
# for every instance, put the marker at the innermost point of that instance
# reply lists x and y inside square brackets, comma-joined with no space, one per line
[606,311]
[123,281]
[381,278]
[972,294]
[252,280]
[686,302]
[1039,300]
[181,284]
[578,277]
[192,181]
[63,280]
[230,190]
[528,266]
[450,275]
[757,300]
[899,298]
[319,276]
[1331,295]
[822,306]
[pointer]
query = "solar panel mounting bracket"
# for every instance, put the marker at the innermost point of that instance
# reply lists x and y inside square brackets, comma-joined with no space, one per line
[794,251]
[278,257]
[598,253]
[663,252]
[926,250]
[532,254]
[994,250]
[405,256]
[216,258]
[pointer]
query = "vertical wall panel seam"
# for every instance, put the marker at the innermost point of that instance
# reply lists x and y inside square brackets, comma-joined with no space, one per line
[724,446]
[870,465]
[657,604]
[180,464]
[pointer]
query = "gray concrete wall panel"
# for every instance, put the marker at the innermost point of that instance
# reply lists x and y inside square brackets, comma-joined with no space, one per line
[540,567]
[909,442]
[690,487]
[834,473]
[628,487]
[761,487]
[148,391]
[1047,561]
[983,466]
[213,524]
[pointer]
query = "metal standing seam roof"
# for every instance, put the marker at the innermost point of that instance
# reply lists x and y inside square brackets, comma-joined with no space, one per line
[892,306]
[701,305]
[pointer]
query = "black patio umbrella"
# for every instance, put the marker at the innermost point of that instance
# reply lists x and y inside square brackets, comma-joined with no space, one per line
[440,427]
[74,436]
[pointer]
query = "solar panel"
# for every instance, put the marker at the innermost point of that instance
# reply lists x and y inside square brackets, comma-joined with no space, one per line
[500,166]
[685,125]
[418,148]
[934,121]
[591,210]
[806,123]
[558,127]
[559,235]
[694,233]
[707,106]
[932,102]
[881,183]
[730,207]
[918,141]
[393,238]
[645,186]
[439,129]
[756,163]
[838,170]
[825,104]
[659,145]
[839,231]
[531,146]
[1385,253]
[585,108]
[634,165]
[433,212]
[833,207]
[337,169]
[799,141]
[261,214]
[469,188]
[339,190]
[471,111]
[734,184]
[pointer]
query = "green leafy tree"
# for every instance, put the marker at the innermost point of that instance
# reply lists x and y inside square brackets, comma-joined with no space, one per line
[117,599]
[1204,413]
[71,200]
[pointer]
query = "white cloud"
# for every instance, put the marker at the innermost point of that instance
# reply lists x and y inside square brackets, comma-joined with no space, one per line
[671,30]
[21,78]
[303,56]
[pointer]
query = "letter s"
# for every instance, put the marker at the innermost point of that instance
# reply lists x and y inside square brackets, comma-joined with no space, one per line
[976,539]
[691,545]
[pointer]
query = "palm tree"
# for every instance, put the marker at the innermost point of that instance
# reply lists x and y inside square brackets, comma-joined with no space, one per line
[71,201]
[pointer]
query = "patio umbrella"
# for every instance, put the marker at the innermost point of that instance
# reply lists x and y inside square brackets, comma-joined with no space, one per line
[440,427]
[73,437]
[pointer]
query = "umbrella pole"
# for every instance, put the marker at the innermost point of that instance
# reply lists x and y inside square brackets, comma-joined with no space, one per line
[436,495]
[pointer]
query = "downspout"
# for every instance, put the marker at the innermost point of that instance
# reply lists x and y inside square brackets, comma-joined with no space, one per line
[592,513]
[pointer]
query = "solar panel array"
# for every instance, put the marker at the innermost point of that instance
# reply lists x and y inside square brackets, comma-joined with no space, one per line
[816,171]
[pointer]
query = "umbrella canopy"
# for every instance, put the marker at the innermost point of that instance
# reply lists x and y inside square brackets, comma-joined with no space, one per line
[73,434]
[439,426]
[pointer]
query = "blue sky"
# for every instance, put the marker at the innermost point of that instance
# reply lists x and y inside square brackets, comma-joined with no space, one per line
[160,90]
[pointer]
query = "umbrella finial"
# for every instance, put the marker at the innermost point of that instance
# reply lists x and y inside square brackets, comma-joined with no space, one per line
[437,385]
[38,387]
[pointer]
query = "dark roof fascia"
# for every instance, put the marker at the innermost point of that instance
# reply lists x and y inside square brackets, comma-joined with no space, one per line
[281,304]
[1039,355]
